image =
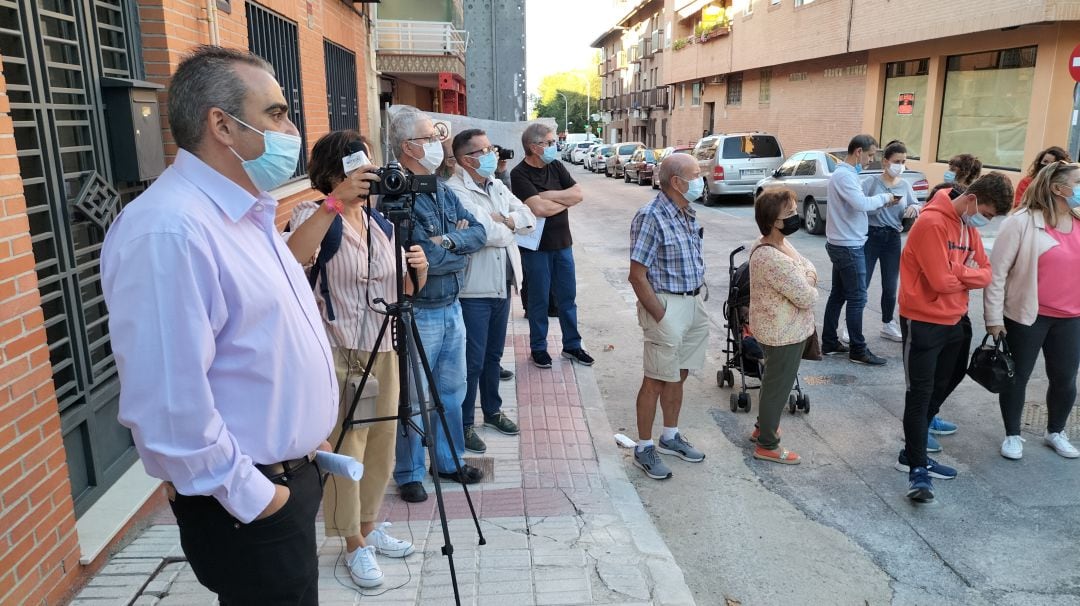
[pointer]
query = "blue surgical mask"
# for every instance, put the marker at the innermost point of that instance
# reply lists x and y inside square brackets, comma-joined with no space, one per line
[949,176]
[488,163]
[277,162]
[551,152]
[975,219]
[1074,200]
[858,167]
[695,188]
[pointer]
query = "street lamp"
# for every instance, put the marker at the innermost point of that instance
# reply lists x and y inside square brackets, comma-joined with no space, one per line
[566,112]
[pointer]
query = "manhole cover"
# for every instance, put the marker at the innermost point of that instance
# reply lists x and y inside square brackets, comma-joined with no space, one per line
[484,464]
[828,379]
[1035,419]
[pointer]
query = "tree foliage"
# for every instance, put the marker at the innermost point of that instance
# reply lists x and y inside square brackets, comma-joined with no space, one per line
[573,84]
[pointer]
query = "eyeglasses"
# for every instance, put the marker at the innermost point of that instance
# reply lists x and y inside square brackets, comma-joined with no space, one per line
[547,143]
[429,139]
[482,151]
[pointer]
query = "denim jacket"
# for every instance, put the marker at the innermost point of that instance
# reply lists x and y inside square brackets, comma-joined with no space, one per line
[437,216]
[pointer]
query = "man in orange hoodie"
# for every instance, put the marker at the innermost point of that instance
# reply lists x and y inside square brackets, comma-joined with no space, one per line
[942,261]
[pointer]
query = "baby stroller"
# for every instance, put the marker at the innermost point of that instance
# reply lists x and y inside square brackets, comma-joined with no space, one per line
[742,350]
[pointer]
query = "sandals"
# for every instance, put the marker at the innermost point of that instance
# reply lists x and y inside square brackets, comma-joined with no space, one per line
[780,455]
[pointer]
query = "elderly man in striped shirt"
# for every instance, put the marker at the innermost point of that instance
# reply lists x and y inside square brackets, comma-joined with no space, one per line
[667,271]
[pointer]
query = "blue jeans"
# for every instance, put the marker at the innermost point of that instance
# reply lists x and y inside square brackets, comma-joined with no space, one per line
[485,337]
[546,271]
[848,287]
[883,244]
[442,333]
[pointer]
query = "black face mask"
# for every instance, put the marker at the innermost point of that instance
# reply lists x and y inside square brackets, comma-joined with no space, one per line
[791,225]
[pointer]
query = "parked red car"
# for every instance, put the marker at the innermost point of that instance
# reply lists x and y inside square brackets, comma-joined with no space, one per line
[639,168]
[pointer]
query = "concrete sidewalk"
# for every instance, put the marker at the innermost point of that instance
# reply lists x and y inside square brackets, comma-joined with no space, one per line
[562,522]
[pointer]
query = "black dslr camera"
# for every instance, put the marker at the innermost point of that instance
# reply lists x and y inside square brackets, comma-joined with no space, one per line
[504,153]
[394,181]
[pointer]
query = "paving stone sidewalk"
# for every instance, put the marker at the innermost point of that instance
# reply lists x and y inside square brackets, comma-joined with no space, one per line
[562,523]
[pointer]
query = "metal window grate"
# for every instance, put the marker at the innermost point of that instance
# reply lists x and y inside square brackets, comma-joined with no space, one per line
[342,104]
[734,89]
[275,39]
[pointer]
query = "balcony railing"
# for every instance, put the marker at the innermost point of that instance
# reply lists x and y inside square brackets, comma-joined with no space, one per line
[420,38]
[657,97]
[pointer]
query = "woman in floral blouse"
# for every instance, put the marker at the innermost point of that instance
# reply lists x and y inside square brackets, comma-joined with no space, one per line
[783,290]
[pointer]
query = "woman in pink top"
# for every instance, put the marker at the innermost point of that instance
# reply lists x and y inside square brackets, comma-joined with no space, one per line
[783,290]
[1034,300]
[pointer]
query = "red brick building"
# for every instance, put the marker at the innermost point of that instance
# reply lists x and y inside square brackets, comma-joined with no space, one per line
[83,89]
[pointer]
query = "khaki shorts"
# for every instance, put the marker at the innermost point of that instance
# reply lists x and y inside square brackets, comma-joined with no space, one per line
[678,341]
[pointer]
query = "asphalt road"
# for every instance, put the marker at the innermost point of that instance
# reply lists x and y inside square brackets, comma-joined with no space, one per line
[835,529]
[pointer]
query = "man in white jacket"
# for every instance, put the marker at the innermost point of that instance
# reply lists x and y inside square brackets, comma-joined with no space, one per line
[488,278]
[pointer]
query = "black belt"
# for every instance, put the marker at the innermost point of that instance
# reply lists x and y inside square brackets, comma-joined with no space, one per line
[273,470]
[689,293]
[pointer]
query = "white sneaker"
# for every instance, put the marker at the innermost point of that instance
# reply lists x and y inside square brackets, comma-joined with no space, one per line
[386,544]
[1060,443]
[841,334]
[891,331]
[1013,447]
[363,568]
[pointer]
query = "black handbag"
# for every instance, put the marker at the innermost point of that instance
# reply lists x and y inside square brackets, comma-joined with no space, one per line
[992,365]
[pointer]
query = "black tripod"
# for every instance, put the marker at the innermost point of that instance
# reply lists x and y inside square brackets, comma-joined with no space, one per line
[411,362]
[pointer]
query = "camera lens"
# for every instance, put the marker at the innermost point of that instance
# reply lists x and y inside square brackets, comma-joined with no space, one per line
[393,182]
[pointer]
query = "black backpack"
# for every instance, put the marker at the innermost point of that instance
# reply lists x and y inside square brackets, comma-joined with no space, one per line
[331,243]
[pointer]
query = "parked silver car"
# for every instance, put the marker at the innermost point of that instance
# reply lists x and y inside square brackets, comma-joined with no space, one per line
[734,163]
[807,174]
[620,156]
[589,159]
[603,156]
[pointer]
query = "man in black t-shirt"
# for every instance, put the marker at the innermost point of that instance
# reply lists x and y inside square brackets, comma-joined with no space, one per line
[541,182]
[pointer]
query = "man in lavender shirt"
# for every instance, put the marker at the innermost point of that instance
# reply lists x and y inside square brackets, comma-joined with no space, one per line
[227,380]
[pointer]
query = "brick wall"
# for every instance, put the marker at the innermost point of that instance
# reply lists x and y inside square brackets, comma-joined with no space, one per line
[39,551]
[834,99]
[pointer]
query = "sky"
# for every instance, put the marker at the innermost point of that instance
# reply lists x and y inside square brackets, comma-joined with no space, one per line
[558,33]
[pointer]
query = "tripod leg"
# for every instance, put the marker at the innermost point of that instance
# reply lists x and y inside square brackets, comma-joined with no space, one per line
[441,411]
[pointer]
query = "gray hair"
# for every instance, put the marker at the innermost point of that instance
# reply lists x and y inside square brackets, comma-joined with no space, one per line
[205,79]
[534,133]
[403,128]
[671,166]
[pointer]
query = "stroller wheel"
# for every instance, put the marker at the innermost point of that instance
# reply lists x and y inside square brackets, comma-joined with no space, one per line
[729,377]
[720,379]
[744,401]
[734,402]
[805,404]
[792,404]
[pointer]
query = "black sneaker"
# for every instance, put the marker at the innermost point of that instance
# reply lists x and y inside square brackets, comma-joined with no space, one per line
[473,443]
[412,492]
[501,423]
[832,351]
[505,375]
[468,475]
[541,359]
[868,358]
[578,355]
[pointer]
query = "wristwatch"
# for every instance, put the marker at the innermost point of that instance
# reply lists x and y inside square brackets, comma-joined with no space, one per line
[447,243]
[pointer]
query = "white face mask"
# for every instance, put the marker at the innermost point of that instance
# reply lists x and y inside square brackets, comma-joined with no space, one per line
[433,156]
[895,169]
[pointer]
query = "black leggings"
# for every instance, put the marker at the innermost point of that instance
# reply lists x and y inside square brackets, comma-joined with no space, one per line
[1059,340]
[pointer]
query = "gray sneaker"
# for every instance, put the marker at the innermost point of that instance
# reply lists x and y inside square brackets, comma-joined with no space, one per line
[679,447]
[650,463]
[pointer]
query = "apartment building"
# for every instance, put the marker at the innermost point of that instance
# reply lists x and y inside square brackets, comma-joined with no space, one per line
[420,48]
[987,77]
[83,130]
[634,98]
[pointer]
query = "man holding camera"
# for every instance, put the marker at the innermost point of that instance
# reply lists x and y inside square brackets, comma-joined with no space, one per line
[846,230]
[447,233]
[543,183]
[484,296]
[227,378]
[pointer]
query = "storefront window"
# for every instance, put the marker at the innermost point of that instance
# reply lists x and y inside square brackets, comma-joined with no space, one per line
[904,106]
[985,107]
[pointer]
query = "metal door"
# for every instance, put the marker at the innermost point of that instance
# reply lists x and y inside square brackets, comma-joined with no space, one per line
[54,54]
